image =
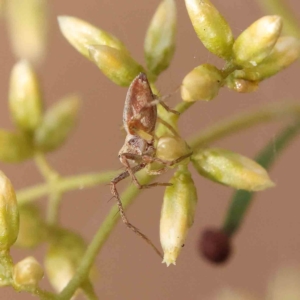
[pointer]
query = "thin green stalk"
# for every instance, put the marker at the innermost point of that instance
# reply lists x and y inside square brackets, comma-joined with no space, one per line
[270,113]
[226,127]
[89,291]
[52,178]
[279,7]
[99,239]
[44,167]
[71,183]
[53,207]
[242,199]
[183,106]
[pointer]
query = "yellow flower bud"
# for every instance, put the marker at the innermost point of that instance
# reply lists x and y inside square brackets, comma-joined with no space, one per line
[9,214]
[202,83]
[177,214]
[15,147]
[32,229]
[24,97]
[256,42]
[63,257]
[160,38]
[211,28]
[57,124]
[241,85]
[27,22]
[116,64]
[284,53]
[231,169]
[28,272]
[81,35]
[171,147]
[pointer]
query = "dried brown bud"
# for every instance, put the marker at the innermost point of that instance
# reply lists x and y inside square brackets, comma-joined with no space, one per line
[215,245]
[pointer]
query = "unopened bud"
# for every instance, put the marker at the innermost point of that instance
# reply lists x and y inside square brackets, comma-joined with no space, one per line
[9,214]
[284,53]
[241,85]
[116,64]
[257,41]
[32,229]
[28,272]
[202,83]
[63,257]
[81,35]
[215,245]
[171,147]
[211,27]
[57,124]
[28,22]
[231,169]
[177,214]
[15,147]
[24,97]
[160,38]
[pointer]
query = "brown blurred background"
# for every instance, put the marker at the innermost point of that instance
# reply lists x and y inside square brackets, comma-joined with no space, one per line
[128,268]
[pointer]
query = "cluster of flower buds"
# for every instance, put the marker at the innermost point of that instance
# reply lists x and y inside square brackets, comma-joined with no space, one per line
[258,53]
[35,130]
[111,55]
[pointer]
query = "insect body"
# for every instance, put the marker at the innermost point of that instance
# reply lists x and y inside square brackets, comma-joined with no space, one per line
[138,151]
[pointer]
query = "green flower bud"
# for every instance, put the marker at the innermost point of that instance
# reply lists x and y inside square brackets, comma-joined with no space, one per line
[116,64]
[81,35]
[24,97]
[28,272]
[27,22]
[160,38]
[177,214]
[211,28]
[171,147]
[63,257]
[241,85]
[284,53]
[231,169]
[9,214]
[202,83]
[15,147]
[32,229]
[57,124]
[257,41]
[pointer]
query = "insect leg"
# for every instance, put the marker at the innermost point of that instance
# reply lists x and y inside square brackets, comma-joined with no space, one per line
[124,159]
[115,193]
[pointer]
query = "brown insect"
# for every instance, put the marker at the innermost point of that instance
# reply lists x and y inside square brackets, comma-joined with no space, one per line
[139,120]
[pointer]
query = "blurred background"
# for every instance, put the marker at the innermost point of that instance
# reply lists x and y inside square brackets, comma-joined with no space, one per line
[128,269]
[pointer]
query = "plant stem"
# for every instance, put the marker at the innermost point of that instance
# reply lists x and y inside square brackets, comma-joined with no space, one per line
[52,178]
[44,167]
[71,183]
[89,291]
[279,7]
[232,125]
[99,239]
[269,113]
[183,106]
